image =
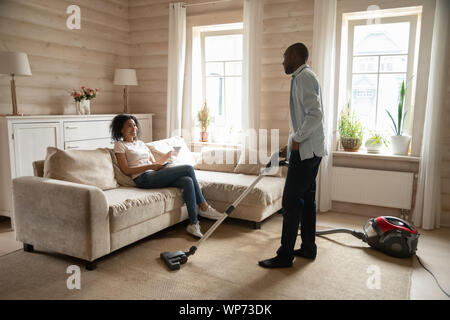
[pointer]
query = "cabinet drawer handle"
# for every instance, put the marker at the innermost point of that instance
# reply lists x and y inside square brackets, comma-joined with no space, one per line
[72,147]
[72,127]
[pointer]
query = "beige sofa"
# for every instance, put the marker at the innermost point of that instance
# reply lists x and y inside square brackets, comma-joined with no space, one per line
[86,222]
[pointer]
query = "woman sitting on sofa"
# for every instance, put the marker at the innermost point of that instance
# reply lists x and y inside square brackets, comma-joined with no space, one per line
[136,160]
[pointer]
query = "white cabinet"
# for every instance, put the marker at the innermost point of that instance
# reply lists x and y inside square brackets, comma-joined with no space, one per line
[30,143]
[89,144]
[86,130]
[87,134]
[25,139]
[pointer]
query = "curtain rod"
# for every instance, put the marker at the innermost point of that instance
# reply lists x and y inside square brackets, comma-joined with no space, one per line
[202,3]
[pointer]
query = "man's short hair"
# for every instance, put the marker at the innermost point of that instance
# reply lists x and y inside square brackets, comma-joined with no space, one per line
[301,50]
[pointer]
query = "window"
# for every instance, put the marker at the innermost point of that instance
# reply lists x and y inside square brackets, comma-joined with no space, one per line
[222,80]
[380,57]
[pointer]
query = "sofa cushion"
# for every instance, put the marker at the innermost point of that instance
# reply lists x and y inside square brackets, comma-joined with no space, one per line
[38,168]
[228,187]
[122,178]
[250,162]
[91,167]
[217,159]
[129,206]
[161,147]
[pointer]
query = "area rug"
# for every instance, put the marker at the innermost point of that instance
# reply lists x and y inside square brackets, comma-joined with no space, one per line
[224,267]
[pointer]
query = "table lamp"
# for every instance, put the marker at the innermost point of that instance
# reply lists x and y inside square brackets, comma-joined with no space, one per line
[125,77]
[14,64]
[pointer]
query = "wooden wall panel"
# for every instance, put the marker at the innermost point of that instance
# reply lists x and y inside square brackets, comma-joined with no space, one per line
[149,38]
[285,22]
[95,12]
[62,59]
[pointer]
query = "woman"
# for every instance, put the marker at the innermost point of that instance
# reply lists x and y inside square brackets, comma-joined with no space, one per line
[136,160]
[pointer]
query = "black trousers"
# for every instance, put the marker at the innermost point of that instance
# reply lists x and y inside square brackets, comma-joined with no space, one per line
[299,205]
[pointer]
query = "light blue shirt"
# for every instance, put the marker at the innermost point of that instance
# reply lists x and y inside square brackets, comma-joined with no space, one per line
[306,114]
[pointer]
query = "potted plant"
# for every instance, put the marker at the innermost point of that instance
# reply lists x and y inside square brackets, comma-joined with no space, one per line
[204,118]
[400,142]
[350,130]
[375,143]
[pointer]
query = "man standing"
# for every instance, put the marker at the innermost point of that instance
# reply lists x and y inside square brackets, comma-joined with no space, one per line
[305,150]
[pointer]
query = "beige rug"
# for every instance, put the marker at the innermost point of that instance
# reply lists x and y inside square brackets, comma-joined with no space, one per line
[224,267]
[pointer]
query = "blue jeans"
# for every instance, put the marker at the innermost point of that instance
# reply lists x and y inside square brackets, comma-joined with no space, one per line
[183,177]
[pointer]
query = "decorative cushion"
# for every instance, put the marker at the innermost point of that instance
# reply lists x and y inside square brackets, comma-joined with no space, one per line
[218,159]
[122,178]
[161,147]
[38,168]
[250,163]
[90,167]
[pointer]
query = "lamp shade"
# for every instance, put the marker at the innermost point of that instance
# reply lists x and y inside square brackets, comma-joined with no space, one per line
[126,77]
[14,63]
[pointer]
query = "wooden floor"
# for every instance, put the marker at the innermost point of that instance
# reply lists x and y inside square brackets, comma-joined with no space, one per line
[433,250]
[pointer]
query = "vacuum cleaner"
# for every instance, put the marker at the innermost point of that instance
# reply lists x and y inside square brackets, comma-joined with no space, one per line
[174,260]
[391,235]
[387,234]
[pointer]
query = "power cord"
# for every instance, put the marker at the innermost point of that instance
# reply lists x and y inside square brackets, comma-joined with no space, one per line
[432,276]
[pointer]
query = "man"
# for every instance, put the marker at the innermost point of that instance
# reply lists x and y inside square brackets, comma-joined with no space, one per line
[305,150]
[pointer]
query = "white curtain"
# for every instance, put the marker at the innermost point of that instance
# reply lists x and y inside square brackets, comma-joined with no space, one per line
[427,211]
[175,78]
[253,16]
[323,64]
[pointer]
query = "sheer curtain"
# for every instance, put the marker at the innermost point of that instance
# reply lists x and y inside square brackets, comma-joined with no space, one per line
[253,16]
[427,211]
[323,64]
[175,78]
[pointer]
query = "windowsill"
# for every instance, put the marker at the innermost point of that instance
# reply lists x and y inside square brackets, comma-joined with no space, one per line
[362,154]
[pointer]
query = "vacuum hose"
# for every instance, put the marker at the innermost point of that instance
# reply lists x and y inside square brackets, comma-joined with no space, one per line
[357,234]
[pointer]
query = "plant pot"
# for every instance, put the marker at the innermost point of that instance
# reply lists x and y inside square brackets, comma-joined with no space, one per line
[83,106]
[203,136]
[372,146]
[351,144]
[400,145]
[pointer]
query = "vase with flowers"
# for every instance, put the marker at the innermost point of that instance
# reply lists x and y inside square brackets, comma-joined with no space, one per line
[83,97]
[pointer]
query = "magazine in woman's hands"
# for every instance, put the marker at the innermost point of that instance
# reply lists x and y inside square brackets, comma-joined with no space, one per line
[176,152]
[173,156]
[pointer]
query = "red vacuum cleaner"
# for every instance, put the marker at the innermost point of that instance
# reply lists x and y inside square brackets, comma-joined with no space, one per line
[391,235]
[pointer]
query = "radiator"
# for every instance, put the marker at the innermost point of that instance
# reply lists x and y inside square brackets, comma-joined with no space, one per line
[374,187]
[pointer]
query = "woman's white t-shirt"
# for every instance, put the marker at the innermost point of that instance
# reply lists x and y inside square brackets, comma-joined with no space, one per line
[136,153]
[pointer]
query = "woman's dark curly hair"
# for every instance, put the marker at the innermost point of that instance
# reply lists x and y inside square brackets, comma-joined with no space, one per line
[117,126]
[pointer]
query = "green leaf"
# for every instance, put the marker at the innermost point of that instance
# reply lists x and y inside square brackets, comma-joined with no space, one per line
[393,122]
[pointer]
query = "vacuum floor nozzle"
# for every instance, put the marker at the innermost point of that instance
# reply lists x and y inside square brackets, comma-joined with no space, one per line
[174,260]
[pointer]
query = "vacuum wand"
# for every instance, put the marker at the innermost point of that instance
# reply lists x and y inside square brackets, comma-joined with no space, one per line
[175,259]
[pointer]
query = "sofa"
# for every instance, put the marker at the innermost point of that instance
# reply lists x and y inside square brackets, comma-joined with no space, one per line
[80,204]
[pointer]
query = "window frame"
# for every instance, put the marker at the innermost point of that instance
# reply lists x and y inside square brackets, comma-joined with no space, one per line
[203,35]
[411,64]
